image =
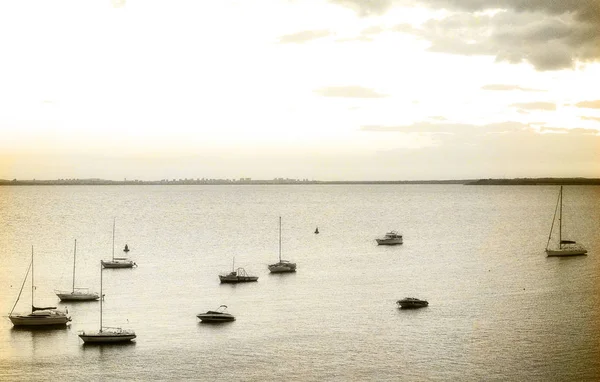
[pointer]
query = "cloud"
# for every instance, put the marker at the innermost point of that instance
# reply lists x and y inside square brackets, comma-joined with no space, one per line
[349,92]
[304,36]
[366,7]
[508,148]
[535,105]
[502,87]
[591,118]
[589,104]
[550,35]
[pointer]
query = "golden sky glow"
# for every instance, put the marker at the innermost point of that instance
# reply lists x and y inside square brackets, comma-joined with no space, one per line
[328,90]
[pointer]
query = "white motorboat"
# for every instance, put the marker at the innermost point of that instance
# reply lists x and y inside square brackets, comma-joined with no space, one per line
[564,247]
[76,294]
[282,266]
[39,317]
[411,303]
[390,238]
[118,262]
[106,334]
[218,315]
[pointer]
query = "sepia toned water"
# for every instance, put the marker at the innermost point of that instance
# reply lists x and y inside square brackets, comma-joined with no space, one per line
[499,308]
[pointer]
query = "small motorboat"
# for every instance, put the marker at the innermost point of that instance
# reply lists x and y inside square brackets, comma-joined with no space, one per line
[237,276]
[218,315]
[411,303]
[390,238]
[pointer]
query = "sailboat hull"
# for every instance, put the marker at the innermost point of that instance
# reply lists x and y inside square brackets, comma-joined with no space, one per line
[566,252]
[77,296]
[107,338]
[117,264]
[40,321]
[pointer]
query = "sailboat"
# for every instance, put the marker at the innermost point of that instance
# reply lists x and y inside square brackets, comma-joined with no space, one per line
[39,317]
[283,265]
[107,334]
[117,262]
[565,247]
[76,294]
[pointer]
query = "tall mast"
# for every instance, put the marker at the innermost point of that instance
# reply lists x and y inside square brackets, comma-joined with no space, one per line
[113,251]
[74,252]
[32,284]
[280,239]
[560,219]
[101,297]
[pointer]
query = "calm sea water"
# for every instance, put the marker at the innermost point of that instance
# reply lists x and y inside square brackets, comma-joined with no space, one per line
[499,308]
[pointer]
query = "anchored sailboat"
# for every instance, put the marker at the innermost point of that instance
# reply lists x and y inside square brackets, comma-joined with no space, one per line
[283,265]
[565,247]
[39,317]
[107,334]
[76,294]
[117,262]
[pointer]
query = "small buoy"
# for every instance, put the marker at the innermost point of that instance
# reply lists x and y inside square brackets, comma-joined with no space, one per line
[126,249]
[317,230]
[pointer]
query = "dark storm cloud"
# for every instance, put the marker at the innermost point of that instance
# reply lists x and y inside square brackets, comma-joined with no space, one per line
[535,105]
[349,92]
[550,35]
[304,36]
[502,87]
[589,104]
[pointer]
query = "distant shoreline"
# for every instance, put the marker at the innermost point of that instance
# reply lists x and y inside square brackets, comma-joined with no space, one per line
[285,181]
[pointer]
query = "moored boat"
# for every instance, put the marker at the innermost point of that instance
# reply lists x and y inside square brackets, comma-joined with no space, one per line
[237,276]
[282,266]
[390,238]
[106,334]
[76,294]
[117,262]
[411,302]
[218,315]
[39,316]
[564,247]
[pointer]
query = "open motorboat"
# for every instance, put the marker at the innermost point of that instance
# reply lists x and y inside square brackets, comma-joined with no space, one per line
[237,276]
[106,334]
[390,238]
[411,303]
[283,265]
[76,294]
[39,317]
[564,247]
[218,315]
[118,262]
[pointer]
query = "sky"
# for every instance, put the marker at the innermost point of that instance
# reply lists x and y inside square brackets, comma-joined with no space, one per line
[307,89]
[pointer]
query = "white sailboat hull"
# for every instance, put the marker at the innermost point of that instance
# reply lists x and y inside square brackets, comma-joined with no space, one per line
[107,337]
[56,319]
[117,263]
[77,296]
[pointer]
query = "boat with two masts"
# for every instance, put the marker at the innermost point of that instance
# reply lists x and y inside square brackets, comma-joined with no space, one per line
[218,315]
[76,293]
[282,266]
[106,334]
[39,316]
[390,238]
[118,262]
[563,247]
